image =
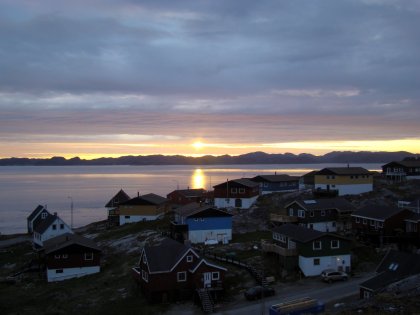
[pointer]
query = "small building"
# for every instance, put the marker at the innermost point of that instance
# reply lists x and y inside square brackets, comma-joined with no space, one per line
[142,208]
[397,272]
[324,215]
[171,271]
[237,193]
[277,183]
[378,223]
[70,256]
[38,215]
[201,224]
[50,227]
[186,196]
[112,207]
[309,250]
[412,228]
[402,170]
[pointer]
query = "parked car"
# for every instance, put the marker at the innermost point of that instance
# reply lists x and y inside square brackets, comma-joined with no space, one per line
[331,275]
[258,292]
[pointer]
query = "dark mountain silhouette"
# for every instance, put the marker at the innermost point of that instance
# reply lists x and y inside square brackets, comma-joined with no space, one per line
[249,158]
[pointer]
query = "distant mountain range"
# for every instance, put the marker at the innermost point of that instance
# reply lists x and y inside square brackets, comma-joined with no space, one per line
[249,158]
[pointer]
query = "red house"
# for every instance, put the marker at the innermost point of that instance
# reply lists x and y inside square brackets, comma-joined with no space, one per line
[238,193]
[170,271]
[70,256]
[186,196]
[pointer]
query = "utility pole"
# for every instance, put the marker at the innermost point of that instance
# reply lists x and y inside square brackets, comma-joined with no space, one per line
[71,211]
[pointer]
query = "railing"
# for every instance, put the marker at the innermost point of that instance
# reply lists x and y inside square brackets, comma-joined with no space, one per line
[273,248]
[282,218]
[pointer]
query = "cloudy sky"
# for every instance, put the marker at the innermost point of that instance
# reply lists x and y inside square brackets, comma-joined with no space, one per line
[118,77]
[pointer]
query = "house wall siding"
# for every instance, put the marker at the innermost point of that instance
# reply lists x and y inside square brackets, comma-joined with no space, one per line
[50,232]
[308,268]
[347,189]
[69,273]
[230,202]
[200,236]
[137,218]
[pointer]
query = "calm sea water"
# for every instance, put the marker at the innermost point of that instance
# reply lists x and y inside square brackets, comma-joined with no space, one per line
[91,187]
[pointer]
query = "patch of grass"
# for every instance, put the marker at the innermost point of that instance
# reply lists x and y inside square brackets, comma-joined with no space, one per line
[256,236]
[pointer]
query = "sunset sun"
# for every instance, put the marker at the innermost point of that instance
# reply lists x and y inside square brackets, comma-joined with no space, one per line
[198,145]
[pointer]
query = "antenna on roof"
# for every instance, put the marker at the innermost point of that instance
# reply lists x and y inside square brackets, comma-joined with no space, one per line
[71,211]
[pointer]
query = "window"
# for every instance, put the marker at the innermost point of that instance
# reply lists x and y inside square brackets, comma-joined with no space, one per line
[44,215]
[65,256]
[196,219]
[335,244]
[317,261]
[323,213]
[233,190]
[144,259]
[241,190]
[127,217]
[317,245]
[189,258]
[364,221]
[372,222]
[61,226]
[181,276]
[145,275]
[301,213]
[380,224]
[89,256]
[291,211]
[57,256]
[54,227]
[215,275]
[59,271]
[357,220]
[202,219]
[312,214]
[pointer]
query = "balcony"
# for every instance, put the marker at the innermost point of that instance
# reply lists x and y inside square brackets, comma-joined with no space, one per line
[283,218]
[273,248]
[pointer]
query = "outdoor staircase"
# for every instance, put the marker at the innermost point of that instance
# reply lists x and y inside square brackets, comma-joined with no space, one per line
[206,301]
[258,275]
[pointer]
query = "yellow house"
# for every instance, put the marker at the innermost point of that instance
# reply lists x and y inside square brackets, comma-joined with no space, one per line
[346,180]
[142,208]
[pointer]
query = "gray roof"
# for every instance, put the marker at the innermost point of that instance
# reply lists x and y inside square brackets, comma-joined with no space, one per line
[119,197]
[378,212]
[413,217]
[343,171]
[338,203]
[394,267]
[408,163]
[34,213]
[241,181]
[45,224]
[276,178]
[298,233]
[195,192]
[68,239]
[164,254]
[195,208]
[148,199]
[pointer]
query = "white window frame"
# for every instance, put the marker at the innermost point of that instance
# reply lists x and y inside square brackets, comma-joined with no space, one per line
[316,248]
[301,213]
[144,259]
[365,221]
[233,190]
[241,190]
[372,222]
[357,220]
[189,258]
[144,275]
[215,275]
[181,276]
[57,256]
[338,244]
[380,224]
[44,215]
[65,256]
[89,256]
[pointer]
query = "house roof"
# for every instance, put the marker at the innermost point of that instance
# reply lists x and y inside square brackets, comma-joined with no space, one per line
[241,181]
[394,267]
[343,171]
[148,199]
[275,178]
[68,239]
[413,217]
[119,197]
[338,203]
[298,233]
[373,211]
[35,212]
[195,209]
[164,254]
[408,163]
[45,224]
[190,193]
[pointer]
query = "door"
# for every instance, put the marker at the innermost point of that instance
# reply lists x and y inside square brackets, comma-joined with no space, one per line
[238,203]
[207,279]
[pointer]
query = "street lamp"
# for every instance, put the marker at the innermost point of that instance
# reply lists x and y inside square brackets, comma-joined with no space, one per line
[71,209]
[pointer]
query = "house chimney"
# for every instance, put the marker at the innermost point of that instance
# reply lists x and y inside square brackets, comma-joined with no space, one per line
[138,194]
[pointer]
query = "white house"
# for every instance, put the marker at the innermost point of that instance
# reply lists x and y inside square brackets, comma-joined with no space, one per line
[50,227]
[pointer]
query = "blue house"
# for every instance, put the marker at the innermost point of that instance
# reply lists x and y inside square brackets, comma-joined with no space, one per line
[277,183]
[201,224]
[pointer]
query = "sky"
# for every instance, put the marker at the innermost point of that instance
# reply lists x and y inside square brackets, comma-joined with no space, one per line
[124,77]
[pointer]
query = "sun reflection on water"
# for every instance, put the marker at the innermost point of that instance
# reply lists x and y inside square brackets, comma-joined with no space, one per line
[198,179]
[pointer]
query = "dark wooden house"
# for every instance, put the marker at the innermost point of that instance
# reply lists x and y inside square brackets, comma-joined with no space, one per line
[277,183]
[402,170]
[237,193]
[112,207]
[170,271]
[39,214]
[70,256]
[186,196]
